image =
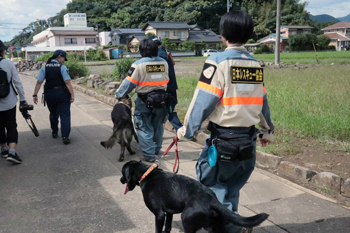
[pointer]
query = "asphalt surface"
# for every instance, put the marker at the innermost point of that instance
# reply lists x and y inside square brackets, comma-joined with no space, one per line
[76,187]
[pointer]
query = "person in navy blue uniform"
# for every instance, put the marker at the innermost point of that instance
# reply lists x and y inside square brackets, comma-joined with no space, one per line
[58,92]
[172,85]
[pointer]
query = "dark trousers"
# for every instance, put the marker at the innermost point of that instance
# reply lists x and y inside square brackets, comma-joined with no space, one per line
[173,118]
[58,103]
[8,126]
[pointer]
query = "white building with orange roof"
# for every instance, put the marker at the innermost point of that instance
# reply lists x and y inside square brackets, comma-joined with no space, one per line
[339,34]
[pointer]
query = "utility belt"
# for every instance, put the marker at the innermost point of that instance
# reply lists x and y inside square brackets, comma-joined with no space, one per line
[231,144]
[155,99]
[47,88]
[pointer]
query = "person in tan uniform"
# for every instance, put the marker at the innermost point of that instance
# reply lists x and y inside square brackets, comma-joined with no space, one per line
[231,94]
[149,76]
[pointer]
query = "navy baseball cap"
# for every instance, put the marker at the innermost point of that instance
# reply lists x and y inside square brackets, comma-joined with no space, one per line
[61,53]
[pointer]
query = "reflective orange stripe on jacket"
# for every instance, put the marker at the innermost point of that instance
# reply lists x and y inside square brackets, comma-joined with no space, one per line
[242,100]
[132,80]
[156,83]
[210,88]
[144,84]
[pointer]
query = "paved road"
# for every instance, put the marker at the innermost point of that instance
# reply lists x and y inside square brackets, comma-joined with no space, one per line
[76,187]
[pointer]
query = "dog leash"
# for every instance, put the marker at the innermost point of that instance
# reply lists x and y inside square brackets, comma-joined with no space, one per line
[177,160]
[157,162]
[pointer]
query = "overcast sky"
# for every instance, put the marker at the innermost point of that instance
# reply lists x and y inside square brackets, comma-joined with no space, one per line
[335,8]
[17,14]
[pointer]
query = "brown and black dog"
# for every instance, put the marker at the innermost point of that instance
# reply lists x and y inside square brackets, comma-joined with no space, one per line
[166,194]
[123,128]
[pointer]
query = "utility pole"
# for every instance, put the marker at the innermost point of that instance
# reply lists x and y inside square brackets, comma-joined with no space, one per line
[229,5]
[278,33]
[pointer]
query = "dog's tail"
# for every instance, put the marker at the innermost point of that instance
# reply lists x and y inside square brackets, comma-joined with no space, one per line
[110,142]
[236,219]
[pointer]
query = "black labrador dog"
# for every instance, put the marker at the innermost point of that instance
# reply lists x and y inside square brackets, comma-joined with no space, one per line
[123,128]
[166,194]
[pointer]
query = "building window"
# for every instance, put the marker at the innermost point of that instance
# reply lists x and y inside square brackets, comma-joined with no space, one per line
[90,40]
[165,34]
[181,35]
[174,33]
[70,41]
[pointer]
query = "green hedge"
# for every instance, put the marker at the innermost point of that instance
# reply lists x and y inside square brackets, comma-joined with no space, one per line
[76,69]
[122,67]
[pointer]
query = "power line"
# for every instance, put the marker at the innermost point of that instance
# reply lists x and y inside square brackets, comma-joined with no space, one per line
[10,28]
[15,23]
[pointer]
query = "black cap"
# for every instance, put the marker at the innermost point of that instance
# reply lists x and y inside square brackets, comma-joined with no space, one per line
[2,46]
[61,53]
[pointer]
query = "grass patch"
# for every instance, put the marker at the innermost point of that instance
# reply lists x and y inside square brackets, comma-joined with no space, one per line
[313,102]
[342,57]
[186,85]
[324,190]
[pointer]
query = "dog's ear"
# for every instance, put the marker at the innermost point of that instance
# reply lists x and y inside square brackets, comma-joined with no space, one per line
[128,173]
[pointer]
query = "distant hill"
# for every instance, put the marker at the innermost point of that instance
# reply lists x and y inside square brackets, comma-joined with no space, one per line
[345,18]
[324,18]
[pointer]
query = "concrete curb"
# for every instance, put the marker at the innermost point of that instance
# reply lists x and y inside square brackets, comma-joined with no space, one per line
[275,164]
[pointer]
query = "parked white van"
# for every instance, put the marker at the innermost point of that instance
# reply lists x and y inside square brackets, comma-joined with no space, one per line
[208,52]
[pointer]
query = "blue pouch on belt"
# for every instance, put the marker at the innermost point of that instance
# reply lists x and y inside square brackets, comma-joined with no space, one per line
[212,155]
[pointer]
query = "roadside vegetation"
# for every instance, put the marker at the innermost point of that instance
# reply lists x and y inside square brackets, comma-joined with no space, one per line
[342,57]
[75,67]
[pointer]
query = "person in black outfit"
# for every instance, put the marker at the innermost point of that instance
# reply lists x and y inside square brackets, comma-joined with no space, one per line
[8,124]
[58,92]
[172,85]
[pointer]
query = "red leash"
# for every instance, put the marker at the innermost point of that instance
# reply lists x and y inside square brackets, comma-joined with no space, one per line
[177,160]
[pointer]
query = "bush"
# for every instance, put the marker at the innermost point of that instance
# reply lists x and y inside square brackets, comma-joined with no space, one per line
[166,43]
[119,46]
[76,69]
[302,42]
[266,49]
[122,67]
[323,42]
[188,45]
[75,56]
[44,57]
[258,51]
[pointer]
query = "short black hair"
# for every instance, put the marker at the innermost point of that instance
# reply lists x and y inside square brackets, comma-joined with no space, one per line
[148,48]
[157,41]
[236,27]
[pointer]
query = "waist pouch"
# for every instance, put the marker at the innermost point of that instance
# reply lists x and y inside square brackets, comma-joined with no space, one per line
[233,147]
[155,99]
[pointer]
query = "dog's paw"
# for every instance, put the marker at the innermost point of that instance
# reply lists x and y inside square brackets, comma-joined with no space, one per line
[121,159]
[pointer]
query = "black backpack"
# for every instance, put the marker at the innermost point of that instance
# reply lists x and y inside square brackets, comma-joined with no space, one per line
[4,83]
